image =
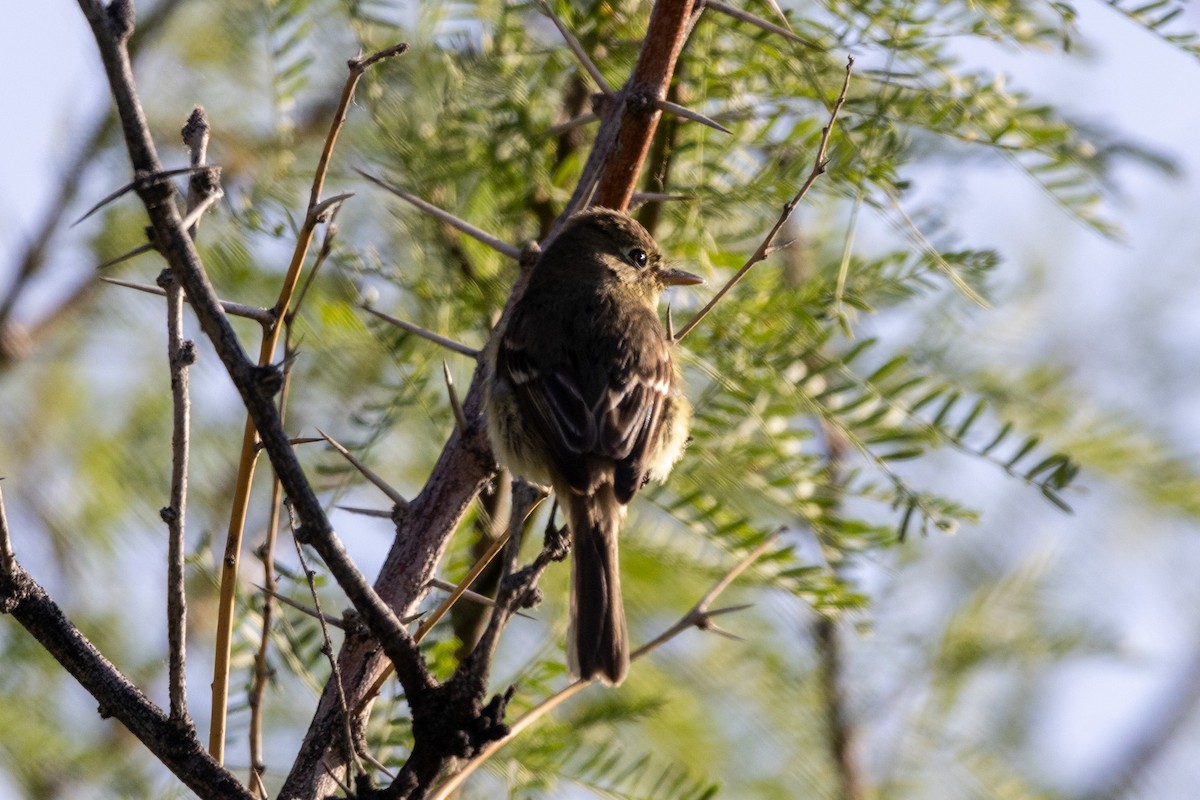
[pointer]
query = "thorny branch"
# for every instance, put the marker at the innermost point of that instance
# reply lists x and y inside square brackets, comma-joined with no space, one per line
[820,163]
[699,616]
[248,459]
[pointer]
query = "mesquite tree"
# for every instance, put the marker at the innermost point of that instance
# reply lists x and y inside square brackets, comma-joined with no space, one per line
[348,238]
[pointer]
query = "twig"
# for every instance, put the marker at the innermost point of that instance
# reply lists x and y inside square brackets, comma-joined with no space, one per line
[820,162]
[499,245]
[262,316]
[437,338]
[576,48]
[367,473]
[315,613]
[699,616]
[327,649]
[247,459]
[759,22]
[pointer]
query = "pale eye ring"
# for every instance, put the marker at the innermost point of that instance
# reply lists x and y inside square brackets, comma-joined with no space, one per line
[637,256]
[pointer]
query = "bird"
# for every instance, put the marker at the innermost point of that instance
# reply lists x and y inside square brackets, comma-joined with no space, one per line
[582,394]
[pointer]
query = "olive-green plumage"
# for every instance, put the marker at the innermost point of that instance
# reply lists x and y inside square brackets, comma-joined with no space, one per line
[582,394]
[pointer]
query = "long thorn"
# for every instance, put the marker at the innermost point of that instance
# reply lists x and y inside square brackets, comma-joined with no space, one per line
[367,473]
[137,251]
[641,198]
[460,418]
[498,245]
[449,344]
[136,183]
[759,22]
[687,113]
[262,316]
[367,512]
[572,123]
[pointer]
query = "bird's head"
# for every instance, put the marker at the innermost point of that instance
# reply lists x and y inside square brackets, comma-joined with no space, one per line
[616,250]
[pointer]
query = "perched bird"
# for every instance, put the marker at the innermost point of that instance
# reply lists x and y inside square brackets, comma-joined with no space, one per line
[582,394]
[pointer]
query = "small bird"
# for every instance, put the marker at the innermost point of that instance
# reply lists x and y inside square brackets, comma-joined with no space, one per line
[582,394]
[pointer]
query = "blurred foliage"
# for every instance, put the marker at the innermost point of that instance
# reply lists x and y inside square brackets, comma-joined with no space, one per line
[801,423]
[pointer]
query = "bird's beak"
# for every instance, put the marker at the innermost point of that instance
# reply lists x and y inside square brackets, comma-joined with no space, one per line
[677,277]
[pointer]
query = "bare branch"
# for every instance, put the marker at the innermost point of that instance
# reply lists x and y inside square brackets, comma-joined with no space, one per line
[819,164]
[247,460]
[256,385]
[351,752]
[180,354]
[698,616]
[498,245]
[173,742]
[437,338]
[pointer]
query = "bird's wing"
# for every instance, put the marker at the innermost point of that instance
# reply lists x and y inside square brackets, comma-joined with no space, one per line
[551,405]
[620,425]
[630,419]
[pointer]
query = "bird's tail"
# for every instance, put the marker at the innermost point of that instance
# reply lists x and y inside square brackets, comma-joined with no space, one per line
[598,646]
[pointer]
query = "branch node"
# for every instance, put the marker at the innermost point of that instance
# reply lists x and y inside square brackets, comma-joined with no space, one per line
[120,20]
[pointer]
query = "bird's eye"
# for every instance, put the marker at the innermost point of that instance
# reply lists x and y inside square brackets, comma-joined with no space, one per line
[637,257]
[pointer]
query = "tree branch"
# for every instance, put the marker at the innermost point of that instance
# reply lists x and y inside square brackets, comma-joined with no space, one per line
[820,162]
[172,741]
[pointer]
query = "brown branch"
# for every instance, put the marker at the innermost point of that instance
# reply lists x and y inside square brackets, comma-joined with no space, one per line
[699,616]
[172,741]
[111,26]
[327,650]
[820,162]
[247,459]
[634,113]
